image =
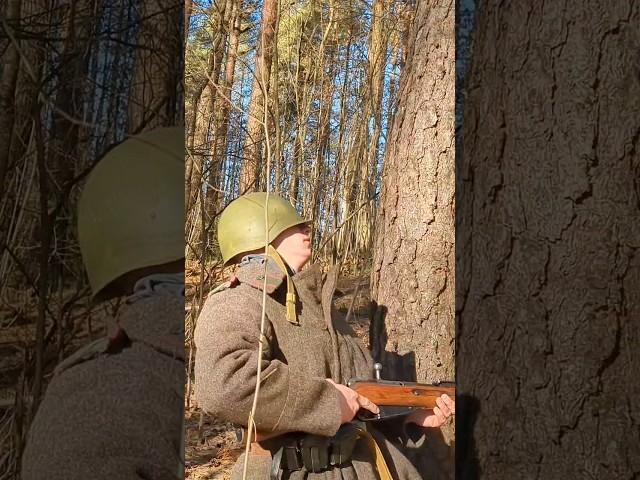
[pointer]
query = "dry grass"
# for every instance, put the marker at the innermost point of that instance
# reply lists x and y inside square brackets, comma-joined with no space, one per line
[211,448]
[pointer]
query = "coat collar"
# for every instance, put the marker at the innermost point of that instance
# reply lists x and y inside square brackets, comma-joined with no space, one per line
[251,271]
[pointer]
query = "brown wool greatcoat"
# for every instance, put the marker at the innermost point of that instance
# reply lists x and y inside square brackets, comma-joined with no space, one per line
[294,395]
[118,414]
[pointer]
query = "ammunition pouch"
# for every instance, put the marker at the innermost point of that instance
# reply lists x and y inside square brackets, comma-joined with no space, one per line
[342,444]
[314,453]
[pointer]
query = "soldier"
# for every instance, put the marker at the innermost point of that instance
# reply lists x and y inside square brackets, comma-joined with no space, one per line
[114,409]
[309,354]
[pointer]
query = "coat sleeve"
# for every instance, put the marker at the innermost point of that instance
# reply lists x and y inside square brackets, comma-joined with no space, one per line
[226,339]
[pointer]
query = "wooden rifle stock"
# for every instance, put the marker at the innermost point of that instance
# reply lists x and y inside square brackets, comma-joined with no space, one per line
[402,394]
[385,393]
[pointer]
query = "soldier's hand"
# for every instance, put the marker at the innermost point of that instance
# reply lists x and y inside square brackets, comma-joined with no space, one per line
[446,407]
[351,402]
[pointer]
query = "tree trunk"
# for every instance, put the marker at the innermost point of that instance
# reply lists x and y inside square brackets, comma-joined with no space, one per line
[188,7]
[377,61]
[201,118]
[66,147]
[193,170]
[294,177]
[253,152]
[366,153]
[324,136]
[11,65]
[412,281]
[64,131]
[549,282]
[156,75]
[219,150]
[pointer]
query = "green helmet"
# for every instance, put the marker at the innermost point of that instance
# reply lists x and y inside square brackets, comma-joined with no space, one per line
[131,211]
[241,227]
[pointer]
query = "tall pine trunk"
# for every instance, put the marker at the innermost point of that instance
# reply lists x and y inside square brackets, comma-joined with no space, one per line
[413,277]
[205,101]
[220,140]
[253,147]
[8,79]
[549,279]
[156,75]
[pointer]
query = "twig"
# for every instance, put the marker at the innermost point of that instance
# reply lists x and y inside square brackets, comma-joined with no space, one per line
[251,426]
[45,237]
[353,301]
[41,96]
[24,272]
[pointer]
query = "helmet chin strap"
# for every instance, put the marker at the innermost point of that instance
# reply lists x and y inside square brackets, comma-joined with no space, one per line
[291,293]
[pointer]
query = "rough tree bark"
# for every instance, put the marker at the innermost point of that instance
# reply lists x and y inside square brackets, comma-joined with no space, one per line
[548,240]
[412,281]
[262,73]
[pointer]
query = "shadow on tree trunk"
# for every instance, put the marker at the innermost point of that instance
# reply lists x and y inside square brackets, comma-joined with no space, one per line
[467,464]
[427,449]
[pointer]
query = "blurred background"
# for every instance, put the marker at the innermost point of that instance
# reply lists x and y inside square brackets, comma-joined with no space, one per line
[76,77]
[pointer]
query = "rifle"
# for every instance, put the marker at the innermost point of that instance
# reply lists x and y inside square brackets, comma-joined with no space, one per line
[395,398]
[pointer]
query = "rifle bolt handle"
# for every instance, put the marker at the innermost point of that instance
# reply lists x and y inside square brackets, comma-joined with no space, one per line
[377,368]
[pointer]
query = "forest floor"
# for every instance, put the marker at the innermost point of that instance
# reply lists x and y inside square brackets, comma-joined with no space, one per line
[212,448]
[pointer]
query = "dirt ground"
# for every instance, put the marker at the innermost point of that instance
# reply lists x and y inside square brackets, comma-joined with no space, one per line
[212,448]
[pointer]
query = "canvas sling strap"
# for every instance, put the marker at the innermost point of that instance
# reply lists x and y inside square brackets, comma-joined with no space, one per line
[381,464]
[291,292]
